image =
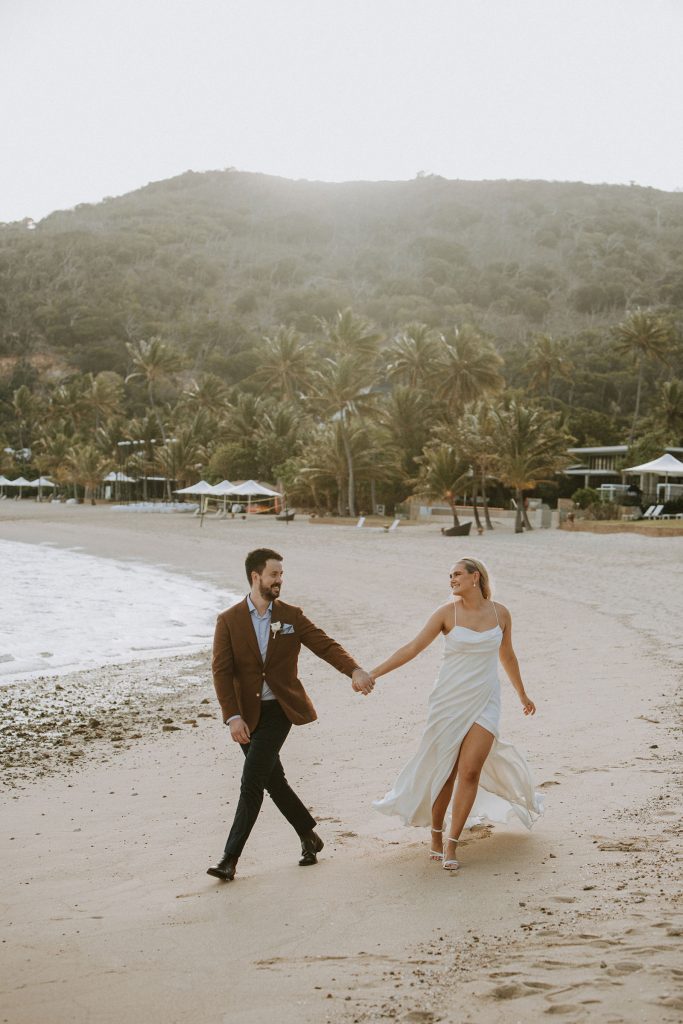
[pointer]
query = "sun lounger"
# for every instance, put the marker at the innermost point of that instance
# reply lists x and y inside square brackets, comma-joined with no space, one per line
[360,522]
[652,512]
[394,526]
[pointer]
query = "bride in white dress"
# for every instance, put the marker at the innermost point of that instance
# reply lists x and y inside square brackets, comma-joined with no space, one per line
[460,747]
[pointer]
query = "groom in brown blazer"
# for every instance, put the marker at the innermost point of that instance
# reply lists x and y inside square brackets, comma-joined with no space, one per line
[255,654]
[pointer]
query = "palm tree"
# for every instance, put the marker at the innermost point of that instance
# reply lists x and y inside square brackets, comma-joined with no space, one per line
[669,410]
[545,363]
[412,356]
[284,364]
[87,466]
[643,337]
[322,465]
[208,393]
[154,361]
[182,457]
[23,407]
[101,396]
[468,368]
[443,474]
[531,446]
[349,335]
[342,391]
[473,436]
[407,415]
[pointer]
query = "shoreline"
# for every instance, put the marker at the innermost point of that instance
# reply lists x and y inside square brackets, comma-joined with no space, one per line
[105,884]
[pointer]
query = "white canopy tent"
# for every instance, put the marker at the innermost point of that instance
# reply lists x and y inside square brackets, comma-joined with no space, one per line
[665,465]
[253,489]
[42,481]
[199,488]
[120,478]
[222,490]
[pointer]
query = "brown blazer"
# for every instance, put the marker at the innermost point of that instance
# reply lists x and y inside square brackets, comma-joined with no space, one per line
[239,672]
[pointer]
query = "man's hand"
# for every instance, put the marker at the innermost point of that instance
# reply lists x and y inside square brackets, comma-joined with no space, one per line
[239,730]
[362,682]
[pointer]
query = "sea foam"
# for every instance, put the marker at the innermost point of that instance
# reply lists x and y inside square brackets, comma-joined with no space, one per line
[63,611]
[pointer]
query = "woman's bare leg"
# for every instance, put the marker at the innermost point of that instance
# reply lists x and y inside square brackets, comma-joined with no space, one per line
[474,750]
[439,808]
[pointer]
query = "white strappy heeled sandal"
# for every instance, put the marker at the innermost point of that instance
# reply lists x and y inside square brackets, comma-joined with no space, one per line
[436,854]
[451,864]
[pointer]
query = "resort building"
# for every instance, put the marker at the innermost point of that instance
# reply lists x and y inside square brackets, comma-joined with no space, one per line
[600,467]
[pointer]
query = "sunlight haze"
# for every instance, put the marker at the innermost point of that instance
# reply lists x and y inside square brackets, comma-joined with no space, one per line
[99,99]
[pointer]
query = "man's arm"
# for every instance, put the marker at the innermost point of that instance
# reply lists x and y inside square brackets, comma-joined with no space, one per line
[222,668]
[333,653]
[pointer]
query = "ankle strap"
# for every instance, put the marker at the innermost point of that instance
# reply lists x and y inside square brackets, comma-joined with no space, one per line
[437,830]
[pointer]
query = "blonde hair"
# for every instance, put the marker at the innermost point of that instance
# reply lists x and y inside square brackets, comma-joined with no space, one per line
[474,565]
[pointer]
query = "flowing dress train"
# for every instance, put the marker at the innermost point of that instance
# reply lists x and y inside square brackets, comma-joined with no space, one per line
[466,691]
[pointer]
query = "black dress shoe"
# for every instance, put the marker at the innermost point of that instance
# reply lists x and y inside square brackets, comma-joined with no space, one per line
[225,869]
[311,845]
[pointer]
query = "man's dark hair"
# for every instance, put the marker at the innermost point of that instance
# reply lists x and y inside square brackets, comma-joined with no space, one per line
[256,560]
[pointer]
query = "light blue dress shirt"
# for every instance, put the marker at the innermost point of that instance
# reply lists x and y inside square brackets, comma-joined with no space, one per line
[261,624]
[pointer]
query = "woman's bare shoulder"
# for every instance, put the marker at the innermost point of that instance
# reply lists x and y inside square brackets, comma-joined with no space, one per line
[503,612]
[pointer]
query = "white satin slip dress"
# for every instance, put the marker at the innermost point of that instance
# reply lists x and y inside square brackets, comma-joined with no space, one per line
[466,692]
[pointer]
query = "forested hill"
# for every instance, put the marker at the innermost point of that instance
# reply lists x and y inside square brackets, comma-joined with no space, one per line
[212,261]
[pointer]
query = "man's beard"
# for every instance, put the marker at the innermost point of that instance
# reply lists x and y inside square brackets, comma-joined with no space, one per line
[269,593]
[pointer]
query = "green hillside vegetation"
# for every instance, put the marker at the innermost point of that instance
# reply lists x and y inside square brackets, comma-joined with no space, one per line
[517,294]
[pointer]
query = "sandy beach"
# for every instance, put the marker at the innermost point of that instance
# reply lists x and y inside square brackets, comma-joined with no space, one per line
[119,785]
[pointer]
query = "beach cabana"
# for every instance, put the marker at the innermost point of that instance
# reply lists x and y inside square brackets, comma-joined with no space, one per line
[253,489]
[202,487]
[666,465]
[40,482]
[222,490]
[20,482]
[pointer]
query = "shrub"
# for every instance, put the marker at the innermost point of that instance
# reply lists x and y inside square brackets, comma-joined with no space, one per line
[586,496]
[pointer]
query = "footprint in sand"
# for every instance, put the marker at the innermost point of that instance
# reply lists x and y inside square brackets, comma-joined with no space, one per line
[623,967]
[563,1008]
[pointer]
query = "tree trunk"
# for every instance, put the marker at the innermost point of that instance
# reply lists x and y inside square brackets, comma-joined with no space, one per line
[349,462]
[527,524]
[475,508]
[456,521]
[485,502]
[636,411]
[519,500]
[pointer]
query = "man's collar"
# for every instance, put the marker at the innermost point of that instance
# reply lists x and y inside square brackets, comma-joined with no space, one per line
[252,607]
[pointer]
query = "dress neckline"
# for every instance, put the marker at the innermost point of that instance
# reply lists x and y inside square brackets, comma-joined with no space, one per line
[470,630]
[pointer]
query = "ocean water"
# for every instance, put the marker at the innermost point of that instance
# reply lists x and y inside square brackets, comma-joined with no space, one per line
[62,611]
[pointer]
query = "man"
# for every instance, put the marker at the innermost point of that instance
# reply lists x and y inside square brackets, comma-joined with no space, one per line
[255,653]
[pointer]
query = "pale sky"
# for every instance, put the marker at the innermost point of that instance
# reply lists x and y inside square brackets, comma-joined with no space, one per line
[99,97]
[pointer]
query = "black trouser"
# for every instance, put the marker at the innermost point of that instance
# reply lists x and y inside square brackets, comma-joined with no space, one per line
[263,771]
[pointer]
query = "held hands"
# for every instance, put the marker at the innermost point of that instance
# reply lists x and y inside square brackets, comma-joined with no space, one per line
[239,730]
[528,705]
[362,682]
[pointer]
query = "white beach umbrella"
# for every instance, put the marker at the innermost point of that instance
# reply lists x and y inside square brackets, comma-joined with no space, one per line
[199,488]
[253,489]
[222,490]
[20,481]
[665,465]
[117,478]
[42,481]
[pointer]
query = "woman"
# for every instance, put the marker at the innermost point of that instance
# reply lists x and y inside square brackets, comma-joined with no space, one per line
[460,742]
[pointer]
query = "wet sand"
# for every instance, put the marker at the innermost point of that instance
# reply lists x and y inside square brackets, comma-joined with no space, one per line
[109,827]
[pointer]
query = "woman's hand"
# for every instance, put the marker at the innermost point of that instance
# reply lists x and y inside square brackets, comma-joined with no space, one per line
[528,705]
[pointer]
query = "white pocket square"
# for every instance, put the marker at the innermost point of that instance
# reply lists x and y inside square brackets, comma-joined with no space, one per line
[286,628]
